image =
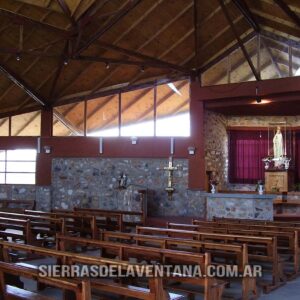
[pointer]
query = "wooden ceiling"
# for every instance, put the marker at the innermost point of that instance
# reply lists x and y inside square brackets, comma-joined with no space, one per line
[55,52]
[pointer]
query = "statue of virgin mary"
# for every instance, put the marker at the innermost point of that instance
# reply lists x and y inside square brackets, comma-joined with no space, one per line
[278,144]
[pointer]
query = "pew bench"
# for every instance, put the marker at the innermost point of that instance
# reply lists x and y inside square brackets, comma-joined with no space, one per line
[81,290]
[142,253]
[83,222]
[132,246]
[287,241]
[154,292]
[16,205]
[260,249]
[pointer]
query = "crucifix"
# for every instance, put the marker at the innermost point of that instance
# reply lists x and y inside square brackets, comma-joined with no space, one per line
[170,169]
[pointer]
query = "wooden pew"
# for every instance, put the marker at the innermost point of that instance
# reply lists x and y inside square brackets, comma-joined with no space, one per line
[212,288]
[154,292]
[287,240]
[81,290]
[41,228]
[75,223]
[123,213]
[15,229]
[16,205]
[109,220]
[237,253]
[267,247]
[250,221]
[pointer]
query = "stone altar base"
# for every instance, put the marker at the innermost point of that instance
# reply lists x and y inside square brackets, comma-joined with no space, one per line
[239,206]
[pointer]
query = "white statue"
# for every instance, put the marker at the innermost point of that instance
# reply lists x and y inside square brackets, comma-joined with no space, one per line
[278,146]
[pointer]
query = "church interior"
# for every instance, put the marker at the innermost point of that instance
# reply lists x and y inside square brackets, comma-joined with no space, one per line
[146,135]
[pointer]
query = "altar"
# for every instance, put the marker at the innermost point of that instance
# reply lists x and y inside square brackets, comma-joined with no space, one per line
[239,206]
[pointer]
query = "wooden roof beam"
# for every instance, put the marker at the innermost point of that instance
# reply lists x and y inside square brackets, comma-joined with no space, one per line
[65,8]
[20,19]
[225,11]
[226,52]
[243,8]
[9,74]
[115,90]
[147,63]
[291,14]
[115,19]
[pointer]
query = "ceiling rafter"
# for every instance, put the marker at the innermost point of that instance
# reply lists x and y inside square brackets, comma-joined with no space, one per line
[137,55]
[240,42]
[21,19]
[65,8]
[22,84]
[244,9]
[26,69]
[61,64]
[115,19]
[117,40]
[196,29]
[237,65]
[290,13]
[118,89]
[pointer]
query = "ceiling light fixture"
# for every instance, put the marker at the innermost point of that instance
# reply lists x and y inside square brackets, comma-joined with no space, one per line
[107,66]
[142,69]
[18,57]
[66,61]
[257,97]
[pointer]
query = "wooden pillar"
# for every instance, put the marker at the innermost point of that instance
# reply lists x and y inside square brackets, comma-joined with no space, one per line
[197,161]
[44,161]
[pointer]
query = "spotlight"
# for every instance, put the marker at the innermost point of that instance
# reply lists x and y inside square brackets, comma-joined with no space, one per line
[258,100]
[66,61]
[142,69]
[107,66]
[18,57]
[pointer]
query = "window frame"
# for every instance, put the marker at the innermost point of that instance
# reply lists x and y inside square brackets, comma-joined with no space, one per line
[6,161]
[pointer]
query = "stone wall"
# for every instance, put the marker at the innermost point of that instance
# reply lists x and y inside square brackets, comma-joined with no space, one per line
[42,195]
[93,182]
[216,146]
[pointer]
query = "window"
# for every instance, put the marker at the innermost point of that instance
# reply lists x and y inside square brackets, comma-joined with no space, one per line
[28,124]
[68,120]
[4,127]
[160,111]
[137,113]
[102,116]
[17,166]
[172,109]
[246,151]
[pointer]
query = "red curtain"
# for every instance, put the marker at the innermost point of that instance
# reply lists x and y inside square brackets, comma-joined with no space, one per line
[246,151]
